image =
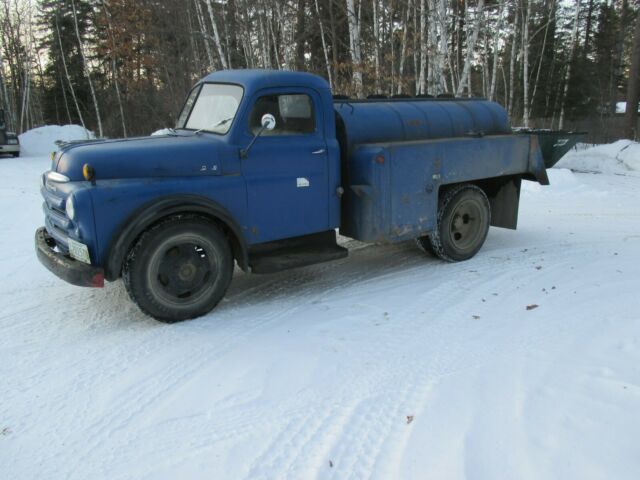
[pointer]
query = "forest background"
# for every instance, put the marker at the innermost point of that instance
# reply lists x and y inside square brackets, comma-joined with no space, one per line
[123,67]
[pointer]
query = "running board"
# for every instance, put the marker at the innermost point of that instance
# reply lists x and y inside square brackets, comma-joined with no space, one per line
[295,252]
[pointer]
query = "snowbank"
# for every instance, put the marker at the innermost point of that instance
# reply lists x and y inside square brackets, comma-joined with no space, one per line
[562,179]
[621,157]
[162,131]
[41,140]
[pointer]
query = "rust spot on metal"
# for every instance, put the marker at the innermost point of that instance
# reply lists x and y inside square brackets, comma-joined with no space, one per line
[380,159]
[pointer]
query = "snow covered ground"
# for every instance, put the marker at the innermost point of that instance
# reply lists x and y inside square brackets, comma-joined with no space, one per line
[522,363]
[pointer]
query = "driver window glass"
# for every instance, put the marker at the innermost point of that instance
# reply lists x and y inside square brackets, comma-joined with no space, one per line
[293,113]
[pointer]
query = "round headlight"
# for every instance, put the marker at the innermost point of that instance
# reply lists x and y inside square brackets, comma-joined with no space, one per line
[70,207]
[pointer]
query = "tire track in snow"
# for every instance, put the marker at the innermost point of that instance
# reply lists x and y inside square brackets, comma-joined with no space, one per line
[364,421]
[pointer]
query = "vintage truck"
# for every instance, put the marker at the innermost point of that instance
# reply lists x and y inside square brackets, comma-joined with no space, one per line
[9,142]
[262,169]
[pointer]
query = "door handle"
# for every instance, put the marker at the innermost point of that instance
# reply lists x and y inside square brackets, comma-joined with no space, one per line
[320,151]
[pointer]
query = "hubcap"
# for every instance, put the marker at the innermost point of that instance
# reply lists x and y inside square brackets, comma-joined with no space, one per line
[465,228]
[183,271]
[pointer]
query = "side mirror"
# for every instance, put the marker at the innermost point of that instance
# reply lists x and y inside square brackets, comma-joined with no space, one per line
[268,122]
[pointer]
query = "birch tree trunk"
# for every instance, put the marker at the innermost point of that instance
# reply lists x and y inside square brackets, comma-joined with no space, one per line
[66,72]
[403,48]
[376,44]
[86,69]
[496,51]
[633,88]
[544,47]
[444,43]
[203,28]
[354,44]
[471,45]
[525,65]
[324,45]
[422,87]
[216,36]
[567,77]
[512,65]
[300,35]
[416,47]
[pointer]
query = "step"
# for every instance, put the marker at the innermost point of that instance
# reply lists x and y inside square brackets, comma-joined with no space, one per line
[296,253]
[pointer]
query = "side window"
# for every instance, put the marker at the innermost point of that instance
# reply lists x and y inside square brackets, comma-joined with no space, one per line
[293,112]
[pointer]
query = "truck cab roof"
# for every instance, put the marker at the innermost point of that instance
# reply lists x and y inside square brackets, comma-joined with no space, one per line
[253,80]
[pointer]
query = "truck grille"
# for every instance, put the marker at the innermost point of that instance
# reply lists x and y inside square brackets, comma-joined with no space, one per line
[56,221]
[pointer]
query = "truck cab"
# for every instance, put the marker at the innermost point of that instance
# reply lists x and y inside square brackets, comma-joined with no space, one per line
[260,171]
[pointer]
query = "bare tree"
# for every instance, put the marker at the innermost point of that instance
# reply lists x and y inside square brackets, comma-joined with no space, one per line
[203,29]
[403,49]
[496,51]
[567,77]
[324,45]
[525,64]
[66,72]
[471,44]
[354,46]
[633,88]
[216,36]
[86,68]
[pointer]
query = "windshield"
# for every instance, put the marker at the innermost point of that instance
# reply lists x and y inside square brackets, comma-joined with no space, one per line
[211,107]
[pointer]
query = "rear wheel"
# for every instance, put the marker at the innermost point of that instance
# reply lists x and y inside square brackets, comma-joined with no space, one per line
[179,269]
[464,216]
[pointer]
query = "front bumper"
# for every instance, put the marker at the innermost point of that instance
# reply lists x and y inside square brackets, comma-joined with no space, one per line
[65,267]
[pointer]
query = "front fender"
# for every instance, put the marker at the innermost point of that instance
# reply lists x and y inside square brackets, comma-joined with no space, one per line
[152,212]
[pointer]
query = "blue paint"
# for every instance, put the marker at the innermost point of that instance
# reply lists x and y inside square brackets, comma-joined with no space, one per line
[395,156]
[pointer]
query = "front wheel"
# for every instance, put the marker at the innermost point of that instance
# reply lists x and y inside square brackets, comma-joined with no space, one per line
[464,216]
[179,269]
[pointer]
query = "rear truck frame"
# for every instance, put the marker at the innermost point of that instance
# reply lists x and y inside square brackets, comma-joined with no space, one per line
[262,170]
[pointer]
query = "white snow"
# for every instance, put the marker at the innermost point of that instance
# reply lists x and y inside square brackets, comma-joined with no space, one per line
[42,140]
[162,131]
[387,364]
[621,157]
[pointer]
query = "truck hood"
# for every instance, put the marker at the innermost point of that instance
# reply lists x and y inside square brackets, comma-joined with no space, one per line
[142,157]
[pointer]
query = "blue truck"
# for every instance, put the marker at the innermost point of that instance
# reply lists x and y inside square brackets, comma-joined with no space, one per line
[262,169]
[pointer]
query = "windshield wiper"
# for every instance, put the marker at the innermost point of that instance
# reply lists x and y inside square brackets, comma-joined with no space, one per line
[219,124]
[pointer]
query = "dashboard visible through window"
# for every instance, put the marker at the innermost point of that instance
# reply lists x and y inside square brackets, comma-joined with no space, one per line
[294,114]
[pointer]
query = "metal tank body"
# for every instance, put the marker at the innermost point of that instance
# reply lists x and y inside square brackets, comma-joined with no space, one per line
[401,120]
[397,154]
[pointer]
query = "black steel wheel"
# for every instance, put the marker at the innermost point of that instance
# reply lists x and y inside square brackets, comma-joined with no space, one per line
[464,216]
[179,269]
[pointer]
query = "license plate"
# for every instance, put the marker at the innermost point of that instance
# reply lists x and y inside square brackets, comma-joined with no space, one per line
[79,251]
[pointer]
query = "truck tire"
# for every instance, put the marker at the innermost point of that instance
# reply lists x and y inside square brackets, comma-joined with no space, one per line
[179,269]
[464,216]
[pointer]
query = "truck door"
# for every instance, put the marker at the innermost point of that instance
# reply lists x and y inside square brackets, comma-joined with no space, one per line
[286,171]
